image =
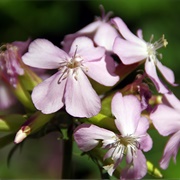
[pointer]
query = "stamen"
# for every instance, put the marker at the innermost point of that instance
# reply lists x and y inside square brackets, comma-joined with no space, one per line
[75,52]
[160,43]
[61,78]
[151,38]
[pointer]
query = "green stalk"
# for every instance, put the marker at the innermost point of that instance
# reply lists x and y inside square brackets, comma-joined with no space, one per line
[67,152]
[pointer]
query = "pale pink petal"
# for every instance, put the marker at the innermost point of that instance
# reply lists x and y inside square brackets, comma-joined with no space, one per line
[139,33]
[43,54]
[90,28]
[102,71]
[104,31]
[88,136]
[136,171]
[165,119]
[170,150]
[88,31]
[126,33]
[166,72]
[22,46]
[173,101]
[145,141]
[127,111]
[142,127]
[85,49]
[48,95]
[129,52]
[150,69]
[80,98]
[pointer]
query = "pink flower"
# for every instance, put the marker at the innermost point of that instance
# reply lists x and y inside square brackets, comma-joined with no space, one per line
[166,119]
[100,31]
[133,49]
[10,61]
[130,141]
[70,85]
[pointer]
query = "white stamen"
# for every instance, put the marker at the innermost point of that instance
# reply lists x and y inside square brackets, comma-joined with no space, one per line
[122,145]
[152,47]
[71,64]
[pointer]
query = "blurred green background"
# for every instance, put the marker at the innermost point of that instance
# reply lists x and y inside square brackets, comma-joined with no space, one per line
[22,19]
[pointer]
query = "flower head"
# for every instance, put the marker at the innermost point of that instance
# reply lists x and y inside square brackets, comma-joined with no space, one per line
[133,49]
[10,61]
[128,143]
[100,31]
[70,85]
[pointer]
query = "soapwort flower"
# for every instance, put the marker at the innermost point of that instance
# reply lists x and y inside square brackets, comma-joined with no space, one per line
[128,143]
[101,31]
[10,61]
[166,119]
[70,85]
[133,49]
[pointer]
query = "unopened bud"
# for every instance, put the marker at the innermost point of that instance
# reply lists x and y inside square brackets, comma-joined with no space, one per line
[22,134]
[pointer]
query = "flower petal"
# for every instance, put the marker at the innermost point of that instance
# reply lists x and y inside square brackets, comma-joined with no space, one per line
[142,127]
[102,71]
[87,136]
[129,52]
[164,125]
[104,31]
[85,48]
[145,141]
[126,33]
[88,31]
[48,95]
[173,101]
[80,98]
[170,150]
[137,170]
[127,111]
[166,72]
[43,54]
[150,69]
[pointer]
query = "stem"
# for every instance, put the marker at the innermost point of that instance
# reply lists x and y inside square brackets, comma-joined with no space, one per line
[67,159]
[67,153]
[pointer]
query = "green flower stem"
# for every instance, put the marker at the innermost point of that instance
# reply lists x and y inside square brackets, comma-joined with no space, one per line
[38,120]
[11,122]
[103,121]
[29,80]
[67,154]
[24,97]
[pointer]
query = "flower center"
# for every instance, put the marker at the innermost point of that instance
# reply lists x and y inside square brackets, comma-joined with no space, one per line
[152,47]
[122,145]
[71,65]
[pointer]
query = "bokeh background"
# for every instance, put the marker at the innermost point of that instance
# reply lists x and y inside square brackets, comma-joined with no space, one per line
[22,19]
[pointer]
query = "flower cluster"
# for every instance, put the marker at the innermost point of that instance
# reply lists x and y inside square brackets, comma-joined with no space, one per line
[87,71]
